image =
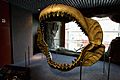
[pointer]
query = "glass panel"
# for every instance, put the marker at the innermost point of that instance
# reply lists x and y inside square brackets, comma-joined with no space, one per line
[108,37]
[107,24]
[75,38]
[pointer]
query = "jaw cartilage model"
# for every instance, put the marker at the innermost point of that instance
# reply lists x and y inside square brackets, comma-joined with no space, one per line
[91,53]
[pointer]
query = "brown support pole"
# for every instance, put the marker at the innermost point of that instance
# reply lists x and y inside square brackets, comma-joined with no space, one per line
[108,76]
[80,70]
[62,35]
[104,63]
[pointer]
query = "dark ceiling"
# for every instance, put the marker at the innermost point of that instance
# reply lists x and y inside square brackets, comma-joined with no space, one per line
[89,8]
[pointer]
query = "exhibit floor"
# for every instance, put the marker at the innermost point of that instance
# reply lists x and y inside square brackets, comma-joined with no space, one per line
[40,70]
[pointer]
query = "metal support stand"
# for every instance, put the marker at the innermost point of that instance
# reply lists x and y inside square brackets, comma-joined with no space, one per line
[108,77]
[28,56]
[104,64]
[25,59]
[80,70]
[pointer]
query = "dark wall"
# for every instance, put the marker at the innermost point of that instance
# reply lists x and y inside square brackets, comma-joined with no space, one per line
[5,45]
[36,24]
[21,22]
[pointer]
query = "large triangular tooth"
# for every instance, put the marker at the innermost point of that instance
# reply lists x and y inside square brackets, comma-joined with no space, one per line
[52,62]
[55,65]
[57,13]
[61,14]
[48,61]
[48,58]
[76,22]
[62,66]
[42,18]
[66,66]
[46,16]
[53,14]
[49,15]
[58,66]
[71,66]
[76,63]
[76,60]
[65,14]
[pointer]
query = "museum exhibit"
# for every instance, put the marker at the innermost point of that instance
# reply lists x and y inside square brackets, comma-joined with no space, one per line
[59,39]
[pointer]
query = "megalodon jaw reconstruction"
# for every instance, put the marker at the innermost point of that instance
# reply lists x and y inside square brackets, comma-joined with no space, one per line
[91,53]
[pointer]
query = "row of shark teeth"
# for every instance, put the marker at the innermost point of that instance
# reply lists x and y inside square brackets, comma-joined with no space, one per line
[64,66]
[61,16]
